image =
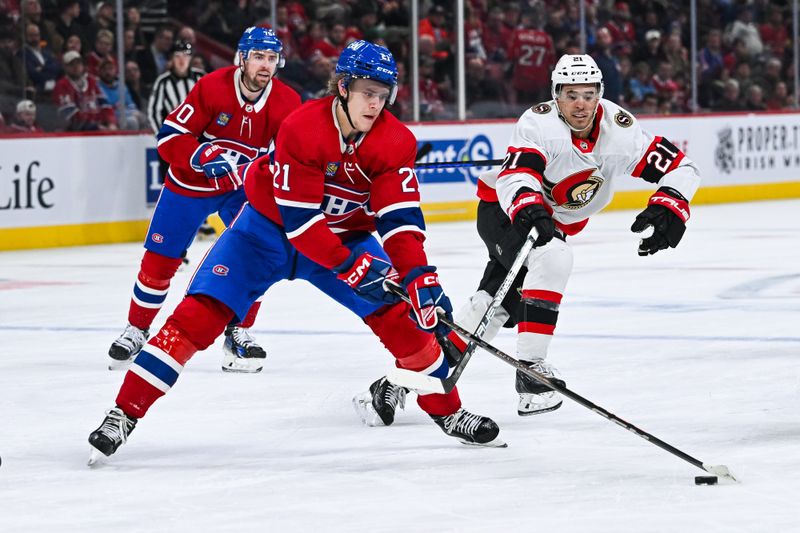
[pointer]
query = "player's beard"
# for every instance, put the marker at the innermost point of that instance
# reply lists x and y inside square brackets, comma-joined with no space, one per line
[254,83]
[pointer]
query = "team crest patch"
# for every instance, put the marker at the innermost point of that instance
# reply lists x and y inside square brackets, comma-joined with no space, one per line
[623,119]
[157,238]
[223,119]
[331,169]
[220,270]
[577,190]
[541,109]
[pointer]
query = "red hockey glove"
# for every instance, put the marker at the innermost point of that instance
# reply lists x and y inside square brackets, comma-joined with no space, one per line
[366,274]
[427,296]
[218,166]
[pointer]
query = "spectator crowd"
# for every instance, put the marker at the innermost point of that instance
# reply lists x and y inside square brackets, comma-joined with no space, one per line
[59,65]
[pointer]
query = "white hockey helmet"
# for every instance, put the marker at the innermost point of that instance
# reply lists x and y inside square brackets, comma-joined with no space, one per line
[575,69]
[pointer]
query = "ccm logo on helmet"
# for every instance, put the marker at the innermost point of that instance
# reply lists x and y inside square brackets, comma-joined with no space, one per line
[220,270]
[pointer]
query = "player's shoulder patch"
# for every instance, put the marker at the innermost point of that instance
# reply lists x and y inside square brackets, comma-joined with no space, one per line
[541,109]
[623,119]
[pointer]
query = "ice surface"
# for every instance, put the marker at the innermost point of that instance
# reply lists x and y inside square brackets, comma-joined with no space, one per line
[698,345]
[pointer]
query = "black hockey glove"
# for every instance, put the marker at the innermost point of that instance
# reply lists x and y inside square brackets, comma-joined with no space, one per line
[667,212]
[527,211]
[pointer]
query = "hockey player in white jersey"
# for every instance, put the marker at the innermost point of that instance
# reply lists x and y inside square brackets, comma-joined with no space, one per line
[563,162]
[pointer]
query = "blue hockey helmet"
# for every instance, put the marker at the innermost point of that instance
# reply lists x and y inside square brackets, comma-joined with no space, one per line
[362,59]
[258,38]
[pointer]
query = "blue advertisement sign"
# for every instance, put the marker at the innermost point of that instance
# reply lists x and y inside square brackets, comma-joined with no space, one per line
[153,176]
[477,148]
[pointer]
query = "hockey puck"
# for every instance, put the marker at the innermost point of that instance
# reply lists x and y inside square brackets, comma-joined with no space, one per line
[705,480]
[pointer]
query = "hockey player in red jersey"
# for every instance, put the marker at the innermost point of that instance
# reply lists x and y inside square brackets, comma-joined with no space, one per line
[532,55]
[230,117]
[343,169]
[563,161]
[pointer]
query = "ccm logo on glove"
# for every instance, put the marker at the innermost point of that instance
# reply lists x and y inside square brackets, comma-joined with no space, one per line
[357,272]
[366,274]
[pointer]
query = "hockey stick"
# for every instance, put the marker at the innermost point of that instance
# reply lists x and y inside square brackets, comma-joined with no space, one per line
[716,470]
[407,378]
[426,148]
[468,163]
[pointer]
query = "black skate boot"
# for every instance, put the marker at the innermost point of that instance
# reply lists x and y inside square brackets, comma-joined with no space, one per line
[206,231]
[534,397]
[377,406]
[127,345]
[470,428]
[242,354]
[111,434]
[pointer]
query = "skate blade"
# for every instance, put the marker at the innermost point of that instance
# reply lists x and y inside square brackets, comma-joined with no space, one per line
[362,403]
[496,443]
[239,369]
[538,405]
[114,364]
[95,457]
[238,365]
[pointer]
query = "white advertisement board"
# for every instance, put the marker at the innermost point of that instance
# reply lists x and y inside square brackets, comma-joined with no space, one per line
[72,180]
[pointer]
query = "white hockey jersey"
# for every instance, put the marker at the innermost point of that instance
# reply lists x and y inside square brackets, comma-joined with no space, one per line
[577,176]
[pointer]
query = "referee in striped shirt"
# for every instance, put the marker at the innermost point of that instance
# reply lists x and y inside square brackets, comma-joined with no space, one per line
[170,88]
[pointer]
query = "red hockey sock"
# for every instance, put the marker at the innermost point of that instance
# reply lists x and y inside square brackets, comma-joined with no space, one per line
[250,318]
[154,371]
[151,288]
[414,349]
[194,325]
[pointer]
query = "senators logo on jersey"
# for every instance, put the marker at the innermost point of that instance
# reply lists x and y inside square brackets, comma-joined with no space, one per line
[541,109]
[622,119]
[575,191]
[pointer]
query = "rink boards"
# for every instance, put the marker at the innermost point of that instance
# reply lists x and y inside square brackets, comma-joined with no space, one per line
[62,190]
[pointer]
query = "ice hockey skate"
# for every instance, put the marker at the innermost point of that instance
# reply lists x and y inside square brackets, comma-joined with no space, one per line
[111,434]
[472,429]
[534,397]
[127,345]
[377,406]
[242,354]
[206,232]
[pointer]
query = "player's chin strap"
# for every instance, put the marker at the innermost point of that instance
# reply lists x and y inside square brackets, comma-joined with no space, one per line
[343,102]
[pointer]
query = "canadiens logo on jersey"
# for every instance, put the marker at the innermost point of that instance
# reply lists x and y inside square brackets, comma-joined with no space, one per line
[331,169]
[575,191]
[223,119]
[242,152]
[340,202]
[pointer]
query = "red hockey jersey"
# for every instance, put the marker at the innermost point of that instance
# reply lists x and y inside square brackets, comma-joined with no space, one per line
[533,56]
[82,104]
[322,189]
[215,111]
